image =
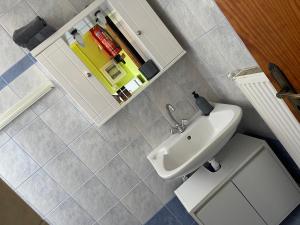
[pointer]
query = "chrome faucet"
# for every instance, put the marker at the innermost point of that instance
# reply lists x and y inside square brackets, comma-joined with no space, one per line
[179,126]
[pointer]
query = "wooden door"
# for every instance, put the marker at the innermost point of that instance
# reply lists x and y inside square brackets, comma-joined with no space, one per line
[14,211]
[271,31]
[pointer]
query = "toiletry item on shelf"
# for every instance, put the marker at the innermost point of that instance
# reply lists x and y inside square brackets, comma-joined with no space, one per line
[118,98]
[122,95]
[149,69]
[113,72]
[126,92]
[203,104]
[107,42]
[77,36]
[118,36]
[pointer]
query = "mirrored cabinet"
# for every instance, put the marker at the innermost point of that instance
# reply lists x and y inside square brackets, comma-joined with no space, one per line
[108,54]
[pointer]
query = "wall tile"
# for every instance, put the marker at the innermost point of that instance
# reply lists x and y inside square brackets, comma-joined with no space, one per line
[47,100]
[7,99]
[18,68]
[163,189]
[119,130]
[119,215]
[206,51]
[202,11]
[3,138]
[150,203]
[180,15]
[95,198]
[230,92]
[29,80]
[15,165]
[65,120]
[70,213]
[178,210]
[93,150]
[165,91]
[20,122]
[10,53]
[157,132]
[143,111]
[135,157]
[79,5]
[55,12]
[118,177]
[42,192]
[68,171]
[163,217]
[5,5]
[191,78]
[18,16]
[224,38]
[39,141]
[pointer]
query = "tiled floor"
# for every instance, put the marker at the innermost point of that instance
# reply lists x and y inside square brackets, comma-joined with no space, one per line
[293,218]
[175,214]
[172,214]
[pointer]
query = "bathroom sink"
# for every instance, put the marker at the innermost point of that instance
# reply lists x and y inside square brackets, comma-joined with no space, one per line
[182,153]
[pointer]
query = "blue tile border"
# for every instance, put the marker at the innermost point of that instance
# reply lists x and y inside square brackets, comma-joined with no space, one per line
[179,211]
[16,70]
[293,218]
[163,217]
[173,213]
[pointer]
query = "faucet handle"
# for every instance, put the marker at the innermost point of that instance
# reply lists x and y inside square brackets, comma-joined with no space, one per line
[184,122]
[173,130]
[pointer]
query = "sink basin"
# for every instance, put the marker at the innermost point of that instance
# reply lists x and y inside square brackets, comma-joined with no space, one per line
[205,136]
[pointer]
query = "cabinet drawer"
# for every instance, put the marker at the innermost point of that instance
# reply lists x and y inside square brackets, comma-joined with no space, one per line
[228,207]
[268,187]
[155,36]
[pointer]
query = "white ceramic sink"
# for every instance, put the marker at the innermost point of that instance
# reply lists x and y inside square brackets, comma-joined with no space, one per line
[205,136]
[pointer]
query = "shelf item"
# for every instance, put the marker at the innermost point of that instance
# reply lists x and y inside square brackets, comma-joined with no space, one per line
[105,40]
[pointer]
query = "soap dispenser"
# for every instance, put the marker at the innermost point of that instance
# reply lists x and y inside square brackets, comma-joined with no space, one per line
[203,104]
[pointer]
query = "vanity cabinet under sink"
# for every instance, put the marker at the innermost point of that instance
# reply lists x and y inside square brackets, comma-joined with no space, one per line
[95,85]
[251,188]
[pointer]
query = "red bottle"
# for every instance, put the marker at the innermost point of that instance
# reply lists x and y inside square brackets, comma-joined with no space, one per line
[105,40]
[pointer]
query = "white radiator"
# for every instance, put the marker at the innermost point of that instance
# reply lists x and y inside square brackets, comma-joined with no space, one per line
[262,95]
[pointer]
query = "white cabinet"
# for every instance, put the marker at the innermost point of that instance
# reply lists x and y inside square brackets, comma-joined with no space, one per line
[141,26]
[252,187]
[149,29]
[268,188]
[228,207]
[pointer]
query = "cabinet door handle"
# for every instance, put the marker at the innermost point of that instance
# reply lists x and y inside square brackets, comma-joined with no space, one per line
[286,88]
[139,33]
